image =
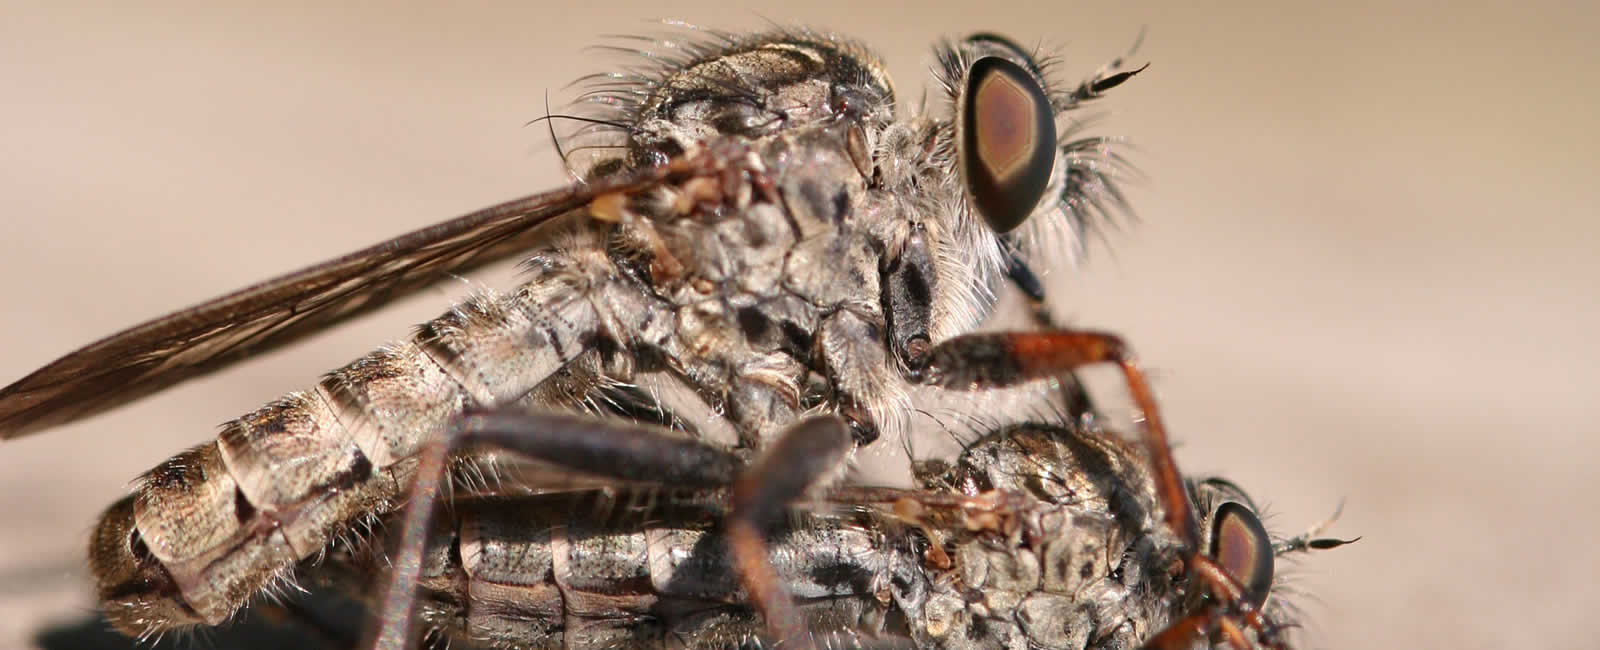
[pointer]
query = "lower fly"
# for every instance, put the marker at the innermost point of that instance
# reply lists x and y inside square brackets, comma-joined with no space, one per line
[1042,534]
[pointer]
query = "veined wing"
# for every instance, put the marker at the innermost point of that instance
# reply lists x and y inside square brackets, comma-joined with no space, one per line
[154,355]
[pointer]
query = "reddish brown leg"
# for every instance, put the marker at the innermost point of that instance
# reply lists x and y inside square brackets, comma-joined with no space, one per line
[1183,633]
[980,361]
[805,455]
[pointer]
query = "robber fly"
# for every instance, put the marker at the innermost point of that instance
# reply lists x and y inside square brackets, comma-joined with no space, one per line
[766,235]
[1047,533]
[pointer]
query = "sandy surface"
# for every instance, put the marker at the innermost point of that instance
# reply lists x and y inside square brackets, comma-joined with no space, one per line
[1364,268]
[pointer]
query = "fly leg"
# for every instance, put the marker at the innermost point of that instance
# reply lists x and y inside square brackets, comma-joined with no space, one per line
[981,361]
[809,451]
[855,363]
[1026,281]
[1074,396]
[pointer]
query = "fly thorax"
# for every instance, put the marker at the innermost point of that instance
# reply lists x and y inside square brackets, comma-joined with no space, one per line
[757,88]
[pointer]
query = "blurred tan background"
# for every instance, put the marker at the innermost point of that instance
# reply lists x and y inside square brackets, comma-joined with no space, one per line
[1364,268]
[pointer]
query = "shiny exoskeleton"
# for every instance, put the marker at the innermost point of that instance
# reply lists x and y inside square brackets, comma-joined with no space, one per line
[1040,535]
[772,240]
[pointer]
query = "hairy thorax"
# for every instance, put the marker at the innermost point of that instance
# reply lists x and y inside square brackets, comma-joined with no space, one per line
[799,262]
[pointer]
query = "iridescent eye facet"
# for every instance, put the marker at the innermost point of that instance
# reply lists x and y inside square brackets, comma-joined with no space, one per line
[1006,141]
[1239,543]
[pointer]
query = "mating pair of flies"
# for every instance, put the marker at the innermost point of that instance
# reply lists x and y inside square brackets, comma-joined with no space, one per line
[762,239]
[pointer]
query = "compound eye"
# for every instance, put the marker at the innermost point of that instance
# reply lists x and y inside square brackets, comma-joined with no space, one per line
[1006,141]
[1240,545]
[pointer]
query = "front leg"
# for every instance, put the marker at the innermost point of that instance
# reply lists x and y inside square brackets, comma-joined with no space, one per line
[868,394]
[860,347]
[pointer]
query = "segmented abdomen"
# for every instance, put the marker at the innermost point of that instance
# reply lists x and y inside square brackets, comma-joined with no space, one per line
[588,570]
[208,528]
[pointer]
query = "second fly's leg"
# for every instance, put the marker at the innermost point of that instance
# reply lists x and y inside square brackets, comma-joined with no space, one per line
[981,361]
[806,453]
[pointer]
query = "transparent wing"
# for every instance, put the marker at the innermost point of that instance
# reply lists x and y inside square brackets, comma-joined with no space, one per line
[202,338]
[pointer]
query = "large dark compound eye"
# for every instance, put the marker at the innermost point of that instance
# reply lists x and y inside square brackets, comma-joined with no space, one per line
[1239,543]
[1006,141]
